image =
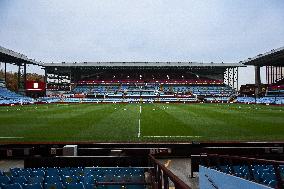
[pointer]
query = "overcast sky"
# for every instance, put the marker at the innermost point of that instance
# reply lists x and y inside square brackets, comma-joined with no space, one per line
[142,30]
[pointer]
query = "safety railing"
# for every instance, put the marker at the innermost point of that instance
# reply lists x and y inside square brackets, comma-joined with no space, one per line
[162,176]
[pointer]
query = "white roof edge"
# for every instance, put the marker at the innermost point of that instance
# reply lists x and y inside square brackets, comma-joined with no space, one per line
[138,64]
[262,55]
[18,55]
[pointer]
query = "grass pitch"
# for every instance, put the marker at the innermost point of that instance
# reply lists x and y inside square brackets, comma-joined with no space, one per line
[141,122]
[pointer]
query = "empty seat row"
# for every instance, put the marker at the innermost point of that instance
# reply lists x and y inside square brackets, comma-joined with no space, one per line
[9,97]
[264,174]
[261,100]
[72,178]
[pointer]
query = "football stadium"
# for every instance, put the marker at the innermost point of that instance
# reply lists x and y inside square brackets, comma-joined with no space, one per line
[141,125]
[126,112]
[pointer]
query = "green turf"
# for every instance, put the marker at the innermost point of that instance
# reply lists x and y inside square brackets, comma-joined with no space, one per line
[158,122]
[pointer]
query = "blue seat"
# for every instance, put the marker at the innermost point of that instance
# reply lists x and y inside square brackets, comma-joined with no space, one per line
[20,180]
[89,171]
[75,186]
[4,180]
[65,172]
[69,180]
[52,179]
[35,180]
[77,171]
[100,178]
[53,186]
[114,187]
[33,186]
[52,172]
[89,186]
[12,186]
[89,179]
[135,186]
[137,178]
[15,171]
[25,173]
[272,183]
[39,173]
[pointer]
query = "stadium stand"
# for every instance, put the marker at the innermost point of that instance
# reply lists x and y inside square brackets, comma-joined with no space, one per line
[165,90]
[46,166]
[261,171]
[74,178]
[261,100]
[274,94]
[9,97]
[276,89]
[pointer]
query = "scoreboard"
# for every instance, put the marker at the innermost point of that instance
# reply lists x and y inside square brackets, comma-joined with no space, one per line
[35,86]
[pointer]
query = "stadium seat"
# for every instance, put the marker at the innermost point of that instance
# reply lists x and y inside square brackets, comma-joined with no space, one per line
[12,186]
[24,173]
[114,187]
[38,173]
[263,174]
[52,179]
[134,187]
[66,180]
[272,183]
[35,180]
[20,180]
[14,171]
[53,186]
[89,179]
[89,186]
[4,180]
[9,97]
[32,186]
[52,172]
[76,177]
[65,172]
[75,186]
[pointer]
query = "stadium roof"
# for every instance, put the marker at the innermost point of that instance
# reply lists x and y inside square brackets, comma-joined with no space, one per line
[275,57]
[13,57]
[142,64]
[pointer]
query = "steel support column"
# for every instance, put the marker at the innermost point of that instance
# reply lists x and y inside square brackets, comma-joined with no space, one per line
[237,78]
[228,77]
[276,73]
[25,77]
[257,80]
[19,77]
[273,78]
[45,80]
[266,73]
[233,78]
[5,72]
[271,74]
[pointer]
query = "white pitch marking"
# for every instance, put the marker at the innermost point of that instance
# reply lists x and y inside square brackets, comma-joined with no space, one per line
[139,122]
[10,137]
[172,136]
[139,128]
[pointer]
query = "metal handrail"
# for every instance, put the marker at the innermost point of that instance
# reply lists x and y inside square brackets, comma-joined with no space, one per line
[165,174]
